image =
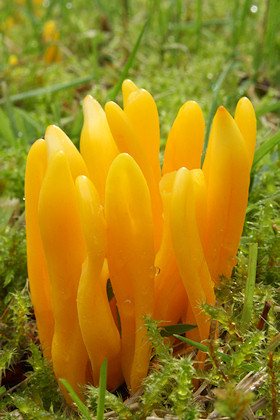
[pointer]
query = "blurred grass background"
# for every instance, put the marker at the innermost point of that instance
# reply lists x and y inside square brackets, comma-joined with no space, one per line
[53,53]
[212,52]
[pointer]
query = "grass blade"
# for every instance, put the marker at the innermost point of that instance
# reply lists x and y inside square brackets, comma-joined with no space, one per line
[198,22]
[102,390]
[5,128]
[213,108]
[242,20]
[265,148]
[114,92]
[250,285]
[264,200]
[234,23]
[81,406]
[274,106]
[10,110]
[48,89]
[27,118]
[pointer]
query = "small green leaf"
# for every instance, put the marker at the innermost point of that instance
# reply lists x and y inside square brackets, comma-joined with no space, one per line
[248,367]
[169,330]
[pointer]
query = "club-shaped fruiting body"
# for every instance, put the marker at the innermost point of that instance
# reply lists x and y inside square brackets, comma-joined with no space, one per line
[109,215]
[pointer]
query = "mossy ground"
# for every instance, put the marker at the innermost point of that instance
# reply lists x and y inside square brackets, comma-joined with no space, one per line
[213,52]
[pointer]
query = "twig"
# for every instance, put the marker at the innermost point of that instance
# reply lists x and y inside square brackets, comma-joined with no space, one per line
[216,362]
[263,317]
[17,385]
